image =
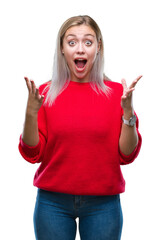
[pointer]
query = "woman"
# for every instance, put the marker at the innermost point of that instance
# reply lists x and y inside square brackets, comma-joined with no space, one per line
[81,127]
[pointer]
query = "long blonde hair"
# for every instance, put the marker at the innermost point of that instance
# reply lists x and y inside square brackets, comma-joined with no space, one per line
[61,71]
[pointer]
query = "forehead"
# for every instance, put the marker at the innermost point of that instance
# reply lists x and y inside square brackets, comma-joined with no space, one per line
[81,30]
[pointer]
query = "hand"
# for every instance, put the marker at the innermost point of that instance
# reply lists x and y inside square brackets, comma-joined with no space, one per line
[126,99]
[35,100]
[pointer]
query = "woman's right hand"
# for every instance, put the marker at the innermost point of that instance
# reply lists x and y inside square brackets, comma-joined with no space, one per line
[35,100]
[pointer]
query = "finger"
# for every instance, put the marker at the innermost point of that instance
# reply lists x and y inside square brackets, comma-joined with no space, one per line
[128,93]
[38,96]
[135,81]
[42,98]
[28,84]
[123,81]
[140,76]
[33,86]
[26,78]
[37,93]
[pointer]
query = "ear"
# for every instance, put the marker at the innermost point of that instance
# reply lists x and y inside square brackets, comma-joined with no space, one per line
[62,50]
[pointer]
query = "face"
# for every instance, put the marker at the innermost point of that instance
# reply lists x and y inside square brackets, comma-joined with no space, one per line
[80,48]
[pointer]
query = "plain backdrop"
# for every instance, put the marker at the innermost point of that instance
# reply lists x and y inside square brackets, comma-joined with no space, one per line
[131,31]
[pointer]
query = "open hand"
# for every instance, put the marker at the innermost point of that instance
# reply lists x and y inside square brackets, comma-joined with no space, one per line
[126,99]
[35,100]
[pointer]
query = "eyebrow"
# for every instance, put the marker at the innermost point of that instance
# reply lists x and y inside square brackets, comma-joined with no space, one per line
[86,35]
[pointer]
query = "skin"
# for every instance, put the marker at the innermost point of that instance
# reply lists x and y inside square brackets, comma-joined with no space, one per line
[80,42]
[128,137]
[30,134]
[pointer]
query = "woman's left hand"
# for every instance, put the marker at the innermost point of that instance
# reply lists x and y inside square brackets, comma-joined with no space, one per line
[126,99]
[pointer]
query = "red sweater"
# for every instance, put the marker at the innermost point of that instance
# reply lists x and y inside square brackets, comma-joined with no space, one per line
[79,142]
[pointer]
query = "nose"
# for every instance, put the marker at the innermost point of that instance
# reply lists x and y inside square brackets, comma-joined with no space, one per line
[80,48]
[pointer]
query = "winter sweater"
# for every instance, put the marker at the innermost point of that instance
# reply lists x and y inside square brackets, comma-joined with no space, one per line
[78,147]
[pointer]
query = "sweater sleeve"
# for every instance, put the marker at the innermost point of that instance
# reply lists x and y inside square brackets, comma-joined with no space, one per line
[34,154]
[126,159]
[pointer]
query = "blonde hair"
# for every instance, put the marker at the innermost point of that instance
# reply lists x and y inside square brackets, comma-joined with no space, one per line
[61,71]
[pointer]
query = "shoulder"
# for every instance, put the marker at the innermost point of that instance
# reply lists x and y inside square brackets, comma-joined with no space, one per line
[43,88]
[112,84]
[115,86]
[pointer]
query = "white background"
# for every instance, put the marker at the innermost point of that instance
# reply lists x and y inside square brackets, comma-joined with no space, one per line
[131,31]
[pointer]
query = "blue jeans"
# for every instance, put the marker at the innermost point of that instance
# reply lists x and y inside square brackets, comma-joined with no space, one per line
[100,217]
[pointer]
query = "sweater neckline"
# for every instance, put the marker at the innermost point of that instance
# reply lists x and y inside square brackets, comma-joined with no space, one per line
[79,83]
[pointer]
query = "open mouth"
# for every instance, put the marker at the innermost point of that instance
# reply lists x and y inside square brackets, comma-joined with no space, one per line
[80,63]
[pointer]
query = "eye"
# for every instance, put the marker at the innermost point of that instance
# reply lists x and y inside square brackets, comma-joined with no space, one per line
[88,43]
[71,43]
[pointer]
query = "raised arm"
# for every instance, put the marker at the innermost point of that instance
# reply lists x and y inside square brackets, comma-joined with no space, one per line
[129,137]
[30,134]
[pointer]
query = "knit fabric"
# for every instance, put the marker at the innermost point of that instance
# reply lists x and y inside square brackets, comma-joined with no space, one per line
[78,147]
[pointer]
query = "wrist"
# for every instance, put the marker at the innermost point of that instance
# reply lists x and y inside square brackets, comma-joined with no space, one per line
[128,113]
[31,113]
